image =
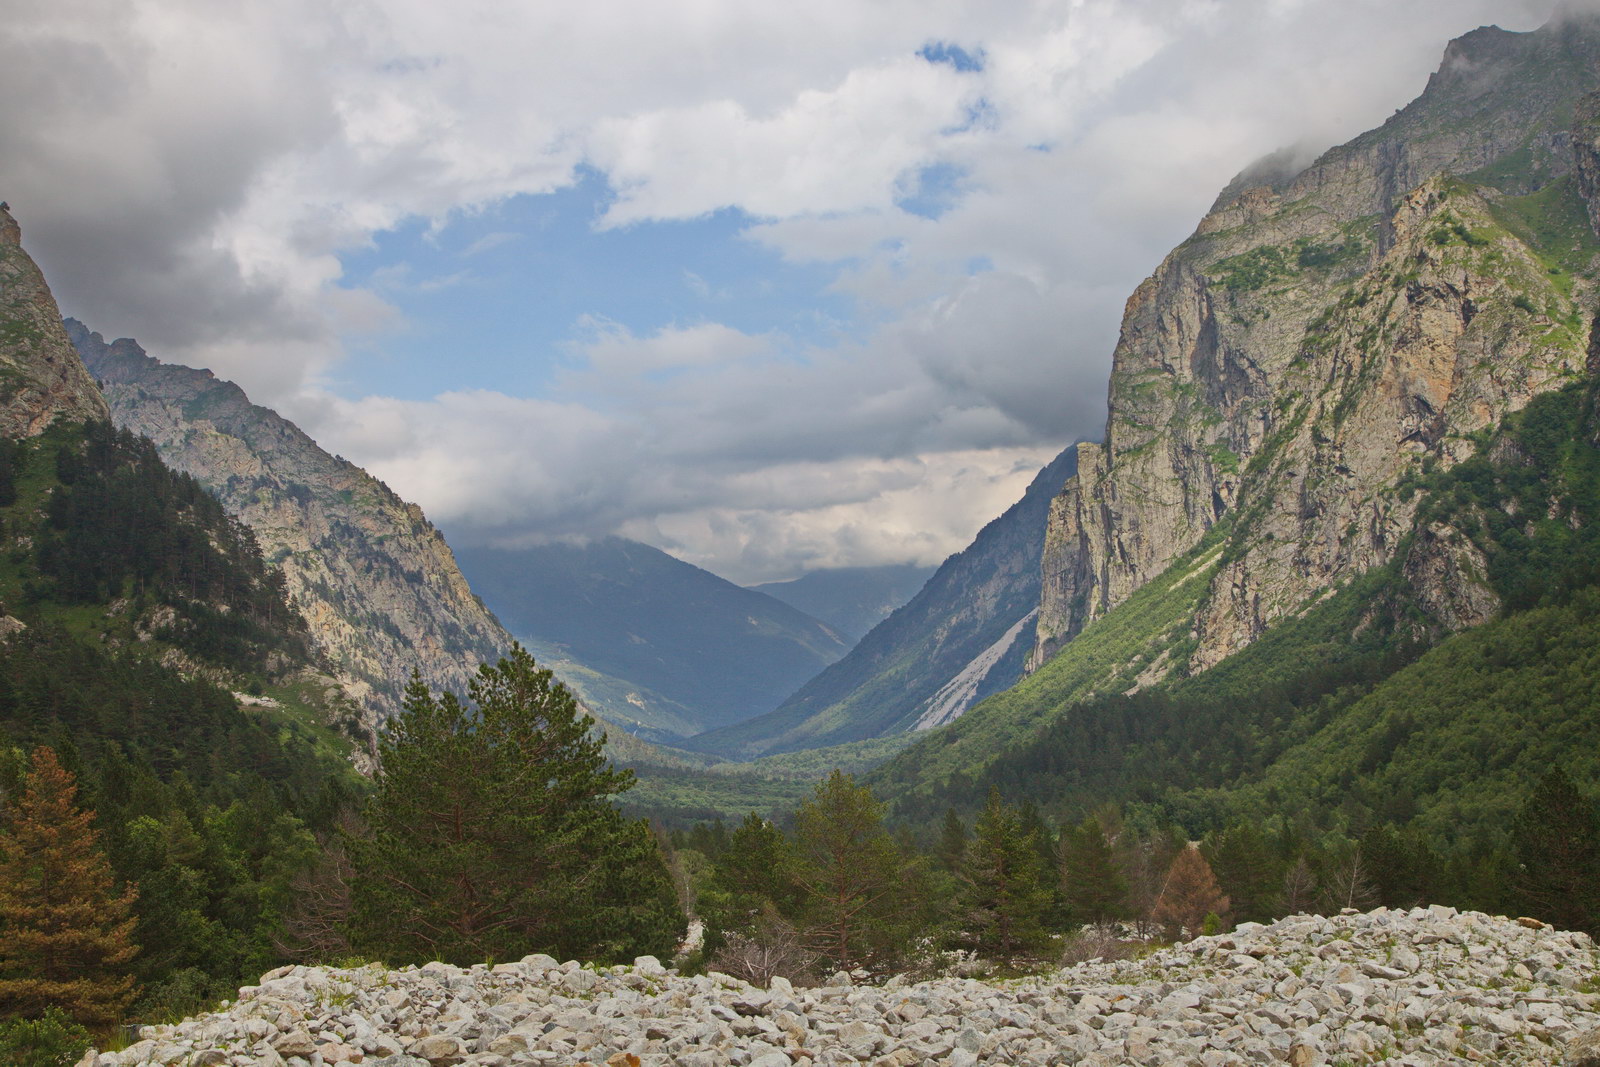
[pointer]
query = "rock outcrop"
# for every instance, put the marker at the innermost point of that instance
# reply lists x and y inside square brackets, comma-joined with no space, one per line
[41,377]
[1324,336]
[378,586]
[1426,986]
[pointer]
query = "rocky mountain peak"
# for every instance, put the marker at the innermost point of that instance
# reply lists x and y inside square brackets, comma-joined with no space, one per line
[1319,338]
[376,582]
[41,377]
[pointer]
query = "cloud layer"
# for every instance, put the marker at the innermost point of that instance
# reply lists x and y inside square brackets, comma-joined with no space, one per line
[191,174]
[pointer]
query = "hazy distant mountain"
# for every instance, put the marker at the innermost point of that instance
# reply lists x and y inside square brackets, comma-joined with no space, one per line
[650,641]
[852,600]
[963,637]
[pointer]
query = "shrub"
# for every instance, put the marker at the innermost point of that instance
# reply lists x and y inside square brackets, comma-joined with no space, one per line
[52,1040]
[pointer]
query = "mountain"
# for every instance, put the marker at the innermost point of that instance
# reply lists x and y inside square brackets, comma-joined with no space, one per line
[1314,466]
[657,645]
[852,600]
[144,639]
[1320,337]
[41,377]
[962,637]
[378,586]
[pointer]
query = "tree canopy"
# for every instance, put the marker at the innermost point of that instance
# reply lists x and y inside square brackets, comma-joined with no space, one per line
[491,833]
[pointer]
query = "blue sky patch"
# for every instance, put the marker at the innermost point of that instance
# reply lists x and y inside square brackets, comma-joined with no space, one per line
[496,299]
[934,191]
[953,54]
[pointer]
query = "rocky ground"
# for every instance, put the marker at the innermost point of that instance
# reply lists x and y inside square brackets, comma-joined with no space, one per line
[1427,986]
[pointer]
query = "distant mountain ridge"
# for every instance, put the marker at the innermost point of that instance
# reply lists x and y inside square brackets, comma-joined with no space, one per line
[962,637]
[378,586]
[852,600]
[657,645]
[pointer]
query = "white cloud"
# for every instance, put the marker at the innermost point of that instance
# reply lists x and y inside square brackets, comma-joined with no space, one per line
[191,174]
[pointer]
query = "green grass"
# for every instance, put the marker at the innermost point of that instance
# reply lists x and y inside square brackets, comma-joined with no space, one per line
[1554,222]
[1105,658]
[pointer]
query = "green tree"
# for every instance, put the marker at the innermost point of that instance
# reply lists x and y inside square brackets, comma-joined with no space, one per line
[1246,871]
[754,875]
[1401,866]
[856,880]
[1003,899]
[952,847]
[65,931]
[491,833]
[1557,836]
[1092,880]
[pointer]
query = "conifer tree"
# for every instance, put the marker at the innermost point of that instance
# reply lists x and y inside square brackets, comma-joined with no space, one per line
[1091,879]
[757,869]
[1003,899]
[952,850]
[65,931]
[1557,836]
[1189,895]
[1245,870]
[491,833]
[855,879]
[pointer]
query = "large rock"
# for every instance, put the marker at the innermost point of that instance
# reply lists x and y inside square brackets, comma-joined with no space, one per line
[1583,1050]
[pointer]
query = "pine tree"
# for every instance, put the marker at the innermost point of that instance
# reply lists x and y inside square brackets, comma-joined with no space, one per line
[491,833]
[854,877]
[1003,899]
[1245,870]
[1557,835]
[755,873]
[952,849]
[1190,894]
[65,932]
[1091,879]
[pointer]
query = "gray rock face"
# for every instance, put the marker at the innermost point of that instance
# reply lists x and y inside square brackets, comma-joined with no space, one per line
[378,586]
[1324,335]
[41,377]
[1426,986]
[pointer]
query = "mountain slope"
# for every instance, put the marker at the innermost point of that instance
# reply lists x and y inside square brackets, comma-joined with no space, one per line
[851,600]
[1293,391]
[959,639]
[1343,325]
[1342,713]
[41,377]
[377,583]
[652,643]
[145,640]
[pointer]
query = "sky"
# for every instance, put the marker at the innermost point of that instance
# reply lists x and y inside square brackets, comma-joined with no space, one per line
[774,287]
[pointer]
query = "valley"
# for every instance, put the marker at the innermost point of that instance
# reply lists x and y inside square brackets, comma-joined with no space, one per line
[1279,695]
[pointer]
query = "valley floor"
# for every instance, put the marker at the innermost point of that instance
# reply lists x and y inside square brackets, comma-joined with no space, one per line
[1418,987]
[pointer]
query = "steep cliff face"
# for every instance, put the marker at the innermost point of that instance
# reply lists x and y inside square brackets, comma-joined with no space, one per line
[1325,335]
[41,376]
[378,586]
